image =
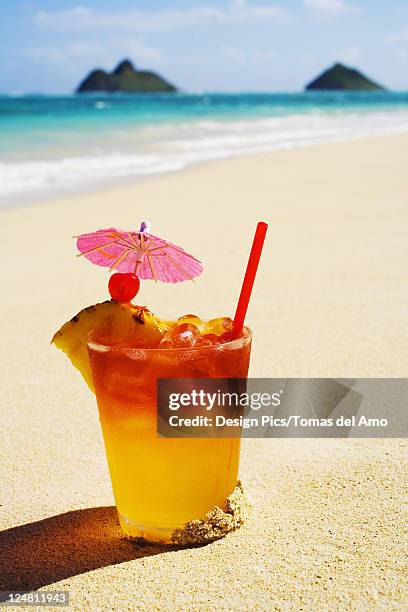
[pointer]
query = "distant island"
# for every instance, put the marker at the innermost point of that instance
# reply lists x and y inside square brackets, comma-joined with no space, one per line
[125,78]
[342,77]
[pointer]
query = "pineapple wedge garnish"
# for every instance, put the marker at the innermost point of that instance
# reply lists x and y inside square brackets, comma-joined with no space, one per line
[118,321]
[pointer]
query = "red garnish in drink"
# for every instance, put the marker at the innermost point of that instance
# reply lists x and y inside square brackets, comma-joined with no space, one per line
[123,287]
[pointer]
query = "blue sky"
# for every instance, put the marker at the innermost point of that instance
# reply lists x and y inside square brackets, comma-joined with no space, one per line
[223,45]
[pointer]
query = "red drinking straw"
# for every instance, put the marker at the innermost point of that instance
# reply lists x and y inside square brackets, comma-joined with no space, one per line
[249,277]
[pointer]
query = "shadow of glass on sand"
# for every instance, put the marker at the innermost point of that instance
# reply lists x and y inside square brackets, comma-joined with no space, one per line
[41,553]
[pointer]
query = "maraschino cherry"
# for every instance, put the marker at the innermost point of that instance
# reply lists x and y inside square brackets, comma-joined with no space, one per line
[123,287]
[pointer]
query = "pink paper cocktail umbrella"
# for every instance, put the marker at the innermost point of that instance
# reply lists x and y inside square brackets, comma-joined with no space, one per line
[140,253]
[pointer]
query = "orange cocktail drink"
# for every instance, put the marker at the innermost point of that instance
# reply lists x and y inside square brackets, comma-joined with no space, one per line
[161,483]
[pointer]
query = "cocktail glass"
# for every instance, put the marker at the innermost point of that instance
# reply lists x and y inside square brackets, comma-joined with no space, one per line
[160,483]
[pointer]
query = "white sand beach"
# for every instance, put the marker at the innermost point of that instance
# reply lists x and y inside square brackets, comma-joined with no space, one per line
[331,300]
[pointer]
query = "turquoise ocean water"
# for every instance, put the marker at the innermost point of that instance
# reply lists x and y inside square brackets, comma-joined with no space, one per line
[57,144]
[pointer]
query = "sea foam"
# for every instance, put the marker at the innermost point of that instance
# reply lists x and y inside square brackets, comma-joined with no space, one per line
[90,153]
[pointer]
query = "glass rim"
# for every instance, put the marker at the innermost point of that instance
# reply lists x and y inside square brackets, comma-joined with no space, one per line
[103,348]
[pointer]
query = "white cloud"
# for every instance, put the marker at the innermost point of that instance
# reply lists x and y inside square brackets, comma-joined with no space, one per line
[399,37]
[81,18]
[399,44]
[136,49]
[104,55]
[237,55]
[402,54]
[326,7]
[349,55]
[47,54]
[261,55]
[308,58]
[233,53]
[84,49]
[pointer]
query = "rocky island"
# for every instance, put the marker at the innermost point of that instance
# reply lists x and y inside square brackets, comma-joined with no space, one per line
[340,77]
[125,77]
